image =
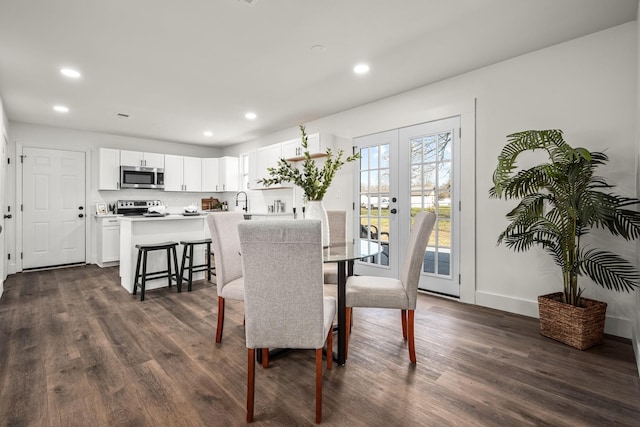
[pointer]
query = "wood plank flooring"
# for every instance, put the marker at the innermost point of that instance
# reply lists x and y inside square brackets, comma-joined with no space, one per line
[77,350]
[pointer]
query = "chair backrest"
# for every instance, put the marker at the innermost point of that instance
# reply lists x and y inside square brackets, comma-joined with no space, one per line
[337,227]
[283,283]
[414,254]
[368,232]
[223,227]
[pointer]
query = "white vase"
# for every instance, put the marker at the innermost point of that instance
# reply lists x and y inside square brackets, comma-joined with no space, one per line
[315,210]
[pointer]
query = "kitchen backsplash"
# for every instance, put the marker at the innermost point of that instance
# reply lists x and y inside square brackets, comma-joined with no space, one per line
[176,201]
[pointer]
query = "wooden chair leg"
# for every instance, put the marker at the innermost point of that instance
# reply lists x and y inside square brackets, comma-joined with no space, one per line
[348,320]
[319,385]
[220,319]
[410,332]
[403,313]
[251,382]
[330,348]
[265,358]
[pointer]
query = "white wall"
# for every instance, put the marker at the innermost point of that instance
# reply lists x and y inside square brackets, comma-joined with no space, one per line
[586,87]
[29,135]
[636,318]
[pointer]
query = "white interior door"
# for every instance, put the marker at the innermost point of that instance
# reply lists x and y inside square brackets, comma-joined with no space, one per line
[54,209]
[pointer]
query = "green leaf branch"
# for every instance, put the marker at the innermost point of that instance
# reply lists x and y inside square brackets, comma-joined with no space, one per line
[313,180]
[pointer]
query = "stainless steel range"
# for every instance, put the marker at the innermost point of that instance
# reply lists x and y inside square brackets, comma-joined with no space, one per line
[135,207]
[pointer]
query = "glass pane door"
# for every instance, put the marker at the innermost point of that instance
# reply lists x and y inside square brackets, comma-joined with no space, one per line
[403,172]
[430,149]
[374,220]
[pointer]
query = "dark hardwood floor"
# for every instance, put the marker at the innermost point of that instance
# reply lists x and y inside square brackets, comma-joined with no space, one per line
[77,350]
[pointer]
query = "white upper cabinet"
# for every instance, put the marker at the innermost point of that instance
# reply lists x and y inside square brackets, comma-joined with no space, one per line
[182,173]
[172,173]
[210,174]
[192,173]
[259,161]
[220,174]
[138,158]
[229,176]
[109,169]
[292,150]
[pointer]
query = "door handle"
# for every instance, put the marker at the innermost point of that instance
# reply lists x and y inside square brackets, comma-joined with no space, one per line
[8,216]
[393,211]
[80,215]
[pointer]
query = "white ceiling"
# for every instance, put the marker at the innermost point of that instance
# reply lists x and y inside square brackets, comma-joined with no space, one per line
[181,67]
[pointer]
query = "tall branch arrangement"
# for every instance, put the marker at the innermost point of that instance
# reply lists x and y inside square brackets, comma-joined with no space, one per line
[314,181]
[560,202]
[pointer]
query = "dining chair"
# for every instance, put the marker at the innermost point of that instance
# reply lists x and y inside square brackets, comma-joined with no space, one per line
[223,227]
[337,236]
[284,302]
[386,292]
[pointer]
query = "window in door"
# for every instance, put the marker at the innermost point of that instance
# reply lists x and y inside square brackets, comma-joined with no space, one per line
[431,192]
[374,199]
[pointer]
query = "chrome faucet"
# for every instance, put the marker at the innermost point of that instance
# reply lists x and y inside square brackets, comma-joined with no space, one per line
[245,200]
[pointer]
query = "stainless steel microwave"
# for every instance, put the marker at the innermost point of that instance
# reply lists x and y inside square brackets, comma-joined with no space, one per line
[141,177]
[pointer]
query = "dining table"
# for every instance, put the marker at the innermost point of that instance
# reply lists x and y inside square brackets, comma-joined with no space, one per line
[345,254]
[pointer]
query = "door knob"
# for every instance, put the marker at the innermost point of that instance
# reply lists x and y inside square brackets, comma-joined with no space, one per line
[80,207]
[80,215]
[393,211]
[8,216]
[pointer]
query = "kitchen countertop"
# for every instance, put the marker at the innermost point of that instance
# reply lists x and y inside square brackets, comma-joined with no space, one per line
[171,217]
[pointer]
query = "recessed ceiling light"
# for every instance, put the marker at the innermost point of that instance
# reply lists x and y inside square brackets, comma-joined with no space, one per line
[251,116]
[207,133]
[61,108]
[361,69]
[69,72]
[318,48]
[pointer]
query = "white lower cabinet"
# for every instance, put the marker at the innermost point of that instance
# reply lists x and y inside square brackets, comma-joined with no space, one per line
[108,241]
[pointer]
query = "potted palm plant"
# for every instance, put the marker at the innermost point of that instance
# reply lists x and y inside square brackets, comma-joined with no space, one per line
[311,178]
[561,201]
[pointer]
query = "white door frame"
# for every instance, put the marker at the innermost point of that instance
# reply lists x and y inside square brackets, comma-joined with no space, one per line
[4,174]
[19,200]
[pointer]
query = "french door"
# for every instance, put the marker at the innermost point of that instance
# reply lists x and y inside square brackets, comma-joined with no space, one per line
[403,172]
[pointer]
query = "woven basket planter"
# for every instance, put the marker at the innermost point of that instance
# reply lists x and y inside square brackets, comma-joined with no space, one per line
[579,327]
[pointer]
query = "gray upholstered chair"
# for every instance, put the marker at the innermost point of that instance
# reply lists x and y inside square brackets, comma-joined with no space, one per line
[284,302]
[384,292]
[337,236]
[223,227]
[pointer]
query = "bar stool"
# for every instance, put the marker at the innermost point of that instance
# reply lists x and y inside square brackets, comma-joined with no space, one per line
[188,253]
[143,250]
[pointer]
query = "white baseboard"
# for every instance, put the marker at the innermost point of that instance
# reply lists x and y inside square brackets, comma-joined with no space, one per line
[617,326]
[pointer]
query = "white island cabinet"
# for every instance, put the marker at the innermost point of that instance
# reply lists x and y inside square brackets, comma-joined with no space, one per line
[144,230]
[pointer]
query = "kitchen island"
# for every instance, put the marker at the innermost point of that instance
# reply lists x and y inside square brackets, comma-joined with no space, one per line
[136,230]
